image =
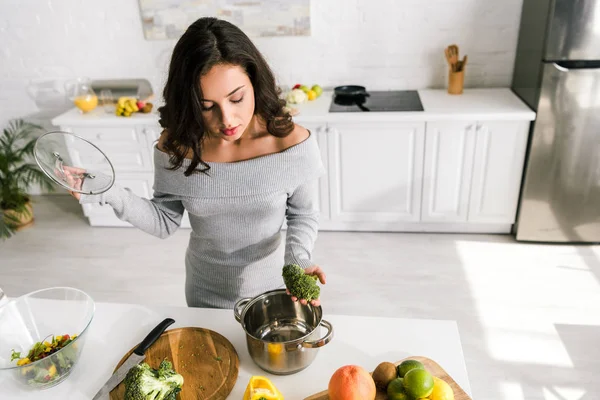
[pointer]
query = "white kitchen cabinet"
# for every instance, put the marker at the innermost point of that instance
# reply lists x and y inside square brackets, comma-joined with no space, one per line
[449,148]
[454,167]
[139,183]
[320,132]
[130,150]
[500,148]
[375,173]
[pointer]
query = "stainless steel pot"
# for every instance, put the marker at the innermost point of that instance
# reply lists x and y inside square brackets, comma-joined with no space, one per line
[283,336]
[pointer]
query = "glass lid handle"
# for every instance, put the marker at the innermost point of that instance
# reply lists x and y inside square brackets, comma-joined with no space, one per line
[58,164]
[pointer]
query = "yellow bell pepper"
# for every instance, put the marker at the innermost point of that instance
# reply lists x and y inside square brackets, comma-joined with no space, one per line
[260,388]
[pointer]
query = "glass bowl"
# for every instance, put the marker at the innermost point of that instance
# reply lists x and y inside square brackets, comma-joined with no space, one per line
[38,317]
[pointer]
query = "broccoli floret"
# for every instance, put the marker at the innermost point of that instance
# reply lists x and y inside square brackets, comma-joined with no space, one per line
[144,383]
[299,284]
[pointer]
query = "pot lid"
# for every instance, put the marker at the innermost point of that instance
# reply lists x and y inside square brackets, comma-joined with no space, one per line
[74,163]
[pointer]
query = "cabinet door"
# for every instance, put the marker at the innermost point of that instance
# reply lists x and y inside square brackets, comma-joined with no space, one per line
[449,148]
[126,147]
[375,172]
[139,183]
[497,171]
[320,132]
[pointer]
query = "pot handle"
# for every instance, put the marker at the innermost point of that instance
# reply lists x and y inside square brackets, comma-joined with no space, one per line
[324,340]
[237,313]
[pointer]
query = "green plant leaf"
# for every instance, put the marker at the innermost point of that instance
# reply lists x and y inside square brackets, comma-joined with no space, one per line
[17,171]
[8,223]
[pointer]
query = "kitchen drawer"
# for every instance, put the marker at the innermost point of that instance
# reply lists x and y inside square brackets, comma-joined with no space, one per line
[103,136]
[122,157]
[139,184]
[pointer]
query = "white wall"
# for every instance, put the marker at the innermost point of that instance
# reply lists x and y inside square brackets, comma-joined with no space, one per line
[378,43]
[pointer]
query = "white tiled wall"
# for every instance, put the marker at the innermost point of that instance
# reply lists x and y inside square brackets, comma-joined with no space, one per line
[378,43]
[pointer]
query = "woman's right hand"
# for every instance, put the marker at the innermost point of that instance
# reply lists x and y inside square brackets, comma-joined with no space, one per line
[74,178]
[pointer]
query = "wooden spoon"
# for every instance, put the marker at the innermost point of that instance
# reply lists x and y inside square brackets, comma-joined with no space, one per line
[464,62]
[452,56]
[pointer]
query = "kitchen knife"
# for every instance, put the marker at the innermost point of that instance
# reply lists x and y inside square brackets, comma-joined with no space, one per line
[134,359]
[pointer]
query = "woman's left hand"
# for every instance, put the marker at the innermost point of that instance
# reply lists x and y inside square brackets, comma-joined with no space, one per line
[317,271]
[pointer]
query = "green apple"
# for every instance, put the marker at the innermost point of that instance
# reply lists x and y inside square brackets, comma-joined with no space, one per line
[304,88]
[317,89]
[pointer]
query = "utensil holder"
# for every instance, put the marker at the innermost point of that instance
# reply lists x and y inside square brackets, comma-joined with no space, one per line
[456,81]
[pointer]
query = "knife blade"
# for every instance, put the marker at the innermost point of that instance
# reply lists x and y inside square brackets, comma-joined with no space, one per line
[134,359]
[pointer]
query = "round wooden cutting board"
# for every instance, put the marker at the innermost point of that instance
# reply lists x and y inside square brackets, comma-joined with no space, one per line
[207,361]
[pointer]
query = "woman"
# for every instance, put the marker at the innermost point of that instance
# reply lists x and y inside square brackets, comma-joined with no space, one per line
[232,157]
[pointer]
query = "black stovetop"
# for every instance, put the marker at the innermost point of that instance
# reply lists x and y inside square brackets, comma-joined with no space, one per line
[378,101]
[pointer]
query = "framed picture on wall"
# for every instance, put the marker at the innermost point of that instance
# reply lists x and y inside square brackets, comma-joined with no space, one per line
[168,19]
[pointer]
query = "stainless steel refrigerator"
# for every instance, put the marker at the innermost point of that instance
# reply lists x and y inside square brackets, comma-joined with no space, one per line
[557,73]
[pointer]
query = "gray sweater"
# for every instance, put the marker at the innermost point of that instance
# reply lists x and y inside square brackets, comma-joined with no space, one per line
[236,214]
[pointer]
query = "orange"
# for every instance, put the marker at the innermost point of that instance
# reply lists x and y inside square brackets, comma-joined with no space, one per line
[351,382]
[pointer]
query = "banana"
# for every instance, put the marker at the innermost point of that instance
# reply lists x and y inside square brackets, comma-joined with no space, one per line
[126,106]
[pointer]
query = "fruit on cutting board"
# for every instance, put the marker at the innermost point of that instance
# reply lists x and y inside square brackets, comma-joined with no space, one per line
[407,365]
[384,374]
[351,382]
[418,383]
[395,390]
[441,390]
[410,381]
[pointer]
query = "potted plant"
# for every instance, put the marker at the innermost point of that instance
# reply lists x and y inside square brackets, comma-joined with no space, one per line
[17,172]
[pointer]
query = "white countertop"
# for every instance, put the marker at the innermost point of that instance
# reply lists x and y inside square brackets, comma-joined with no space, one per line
[474,104]
[365,341]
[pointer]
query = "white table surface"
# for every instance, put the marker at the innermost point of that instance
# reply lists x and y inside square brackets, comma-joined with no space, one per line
[365,341]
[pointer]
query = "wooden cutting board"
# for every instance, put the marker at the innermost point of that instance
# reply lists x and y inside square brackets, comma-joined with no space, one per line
[430,366]
[207,361]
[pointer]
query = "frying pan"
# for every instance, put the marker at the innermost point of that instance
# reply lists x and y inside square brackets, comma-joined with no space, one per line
[350,100]
[350,90]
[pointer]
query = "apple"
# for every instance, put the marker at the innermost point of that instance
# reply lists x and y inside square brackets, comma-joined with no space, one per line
[317,89]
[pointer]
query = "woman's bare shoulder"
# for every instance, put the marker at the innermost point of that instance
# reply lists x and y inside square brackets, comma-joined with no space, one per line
[297,136]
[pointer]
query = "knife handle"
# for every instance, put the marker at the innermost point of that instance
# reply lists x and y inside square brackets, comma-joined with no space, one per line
[153,336]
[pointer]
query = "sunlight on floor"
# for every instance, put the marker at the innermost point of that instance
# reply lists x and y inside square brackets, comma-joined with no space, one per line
[560,393]
[522,292]
[511,390]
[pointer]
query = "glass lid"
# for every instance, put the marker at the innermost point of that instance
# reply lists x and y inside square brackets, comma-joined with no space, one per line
[74,163]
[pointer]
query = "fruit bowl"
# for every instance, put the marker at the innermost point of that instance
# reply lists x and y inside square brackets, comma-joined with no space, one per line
[32,324]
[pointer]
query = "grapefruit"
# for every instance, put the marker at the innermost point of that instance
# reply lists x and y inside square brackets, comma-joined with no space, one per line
[351,382]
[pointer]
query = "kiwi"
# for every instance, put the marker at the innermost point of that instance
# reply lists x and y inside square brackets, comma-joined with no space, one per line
[384,374]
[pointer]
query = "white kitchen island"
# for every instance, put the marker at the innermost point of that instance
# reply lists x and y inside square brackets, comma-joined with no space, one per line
[365,341]
[454,167]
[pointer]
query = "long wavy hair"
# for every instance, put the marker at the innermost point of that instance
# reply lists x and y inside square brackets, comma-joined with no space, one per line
[206,43]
